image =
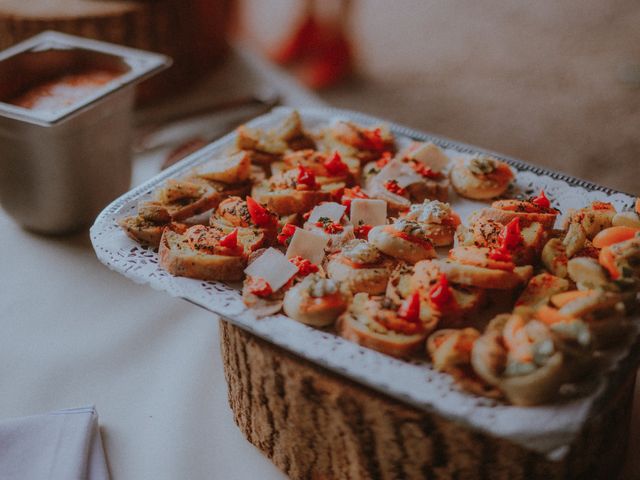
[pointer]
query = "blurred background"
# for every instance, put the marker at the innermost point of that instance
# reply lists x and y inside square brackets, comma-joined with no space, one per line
[552,83]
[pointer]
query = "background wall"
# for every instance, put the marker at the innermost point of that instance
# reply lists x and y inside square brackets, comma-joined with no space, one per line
[549,82]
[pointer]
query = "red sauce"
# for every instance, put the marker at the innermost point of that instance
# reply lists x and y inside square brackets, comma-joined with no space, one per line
[335,166]
[64,91]
[284,237]
[440,294]
[305,267]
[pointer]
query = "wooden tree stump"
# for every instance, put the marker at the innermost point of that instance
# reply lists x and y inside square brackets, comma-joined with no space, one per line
[314,424]
[192,32]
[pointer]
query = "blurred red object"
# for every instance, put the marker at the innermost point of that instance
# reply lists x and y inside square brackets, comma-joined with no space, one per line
[318,51]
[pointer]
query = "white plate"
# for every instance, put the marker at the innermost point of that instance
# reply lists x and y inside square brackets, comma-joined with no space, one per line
[547,429]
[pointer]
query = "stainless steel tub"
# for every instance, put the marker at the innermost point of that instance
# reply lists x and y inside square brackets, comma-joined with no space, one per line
[59,167]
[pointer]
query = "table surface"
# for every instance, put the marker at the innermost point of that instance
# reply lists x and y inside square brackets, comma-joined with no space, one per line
[74,333]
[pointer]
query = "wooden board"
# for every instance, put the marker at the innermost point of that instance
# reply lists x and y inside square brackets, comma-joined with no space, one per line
[192,33]
[314,424]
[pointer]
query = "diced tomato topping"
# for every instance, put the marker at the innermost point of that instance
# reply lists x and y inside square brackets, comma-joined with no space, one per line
[510,236]
[362,231]
[500,255]
[305,267]
[541,200]
[440,294]
[335,166]
[260,287]
[417,239]
[336,195]
[329,227]
[373,139]
[306,177]
[351,193]
[284,237]
[423,170]
[602,206]
[410,308]
[384,159]
[393,187]
[260,215]
[230,240]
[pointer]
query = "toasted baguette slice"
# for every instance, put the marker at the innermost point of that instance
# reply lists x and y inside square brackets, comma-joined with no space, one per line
[357,326]
[554,257]
[500,212]
[178,258]
[142,231]
[372,279]
[467,300]
[289,201]
[486,233]
[485,277]
[231,169]
[540,289]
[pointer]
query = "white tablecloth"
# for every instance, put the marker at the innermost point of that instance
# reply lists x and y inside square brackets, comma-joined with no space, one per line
[73,333]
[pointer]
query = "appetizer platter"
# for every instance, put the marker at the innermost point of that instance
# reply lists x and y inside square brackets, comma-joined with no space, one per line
[499,295]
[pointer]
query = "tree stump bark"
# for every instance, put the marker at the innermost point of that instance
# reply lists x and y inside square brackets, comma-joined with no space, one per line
[314,424]
[192,32]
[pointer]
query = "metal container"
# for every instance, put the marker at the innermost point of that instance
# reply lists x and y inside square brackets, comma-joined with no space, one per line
[59,167]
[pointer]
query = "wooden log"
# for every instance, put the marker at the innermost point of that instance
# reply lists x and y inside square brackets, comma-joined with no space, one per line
[314,424]
[192,32]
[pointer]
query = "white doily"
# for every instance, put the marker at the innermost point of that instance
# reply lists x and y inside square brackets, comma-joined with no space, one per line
[548,429]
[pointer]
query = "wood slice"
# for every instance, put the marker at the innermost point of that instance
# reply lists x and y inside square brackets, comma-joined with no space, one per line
[191,32]
[314,424]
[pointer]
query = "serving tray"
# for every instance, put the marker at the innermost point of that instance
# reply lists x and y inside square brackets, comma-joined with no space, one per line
[547,429]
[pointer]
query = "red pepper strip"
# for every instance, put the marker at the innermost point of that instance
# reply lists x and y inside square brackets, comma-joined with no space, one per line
[230,240]
[541,200]
[305,267]
[410,308]
[335,166]
[306,177]
[260,216]
[284,237]
[393,187]
[602,206]
[500,255]
[510,236]
[373,139]
[362,231]
[261,288]
[440,294]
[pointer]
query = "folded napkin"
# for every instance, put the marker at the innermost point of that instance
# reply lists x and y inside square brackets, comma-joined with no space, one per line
[63,445]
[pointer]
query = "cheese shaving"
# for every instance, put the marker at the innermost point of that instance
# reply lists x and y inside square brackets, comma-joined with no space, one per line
[307,245]
[273,267]
[368,211]
[399,171]
[331,210]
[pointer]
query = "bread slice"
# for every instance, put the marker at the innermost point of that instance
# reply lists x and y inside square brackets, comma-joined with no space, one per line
[357,326]
[503,211]
[540,289]
[142,231]
[231,169]
[482,277]
[178,258]
[371,279]
[289,201]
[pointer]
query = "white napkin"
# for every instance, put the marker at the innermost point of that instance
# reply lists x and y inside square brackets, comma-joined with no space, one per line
[63,445]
